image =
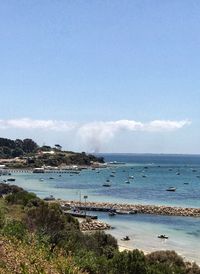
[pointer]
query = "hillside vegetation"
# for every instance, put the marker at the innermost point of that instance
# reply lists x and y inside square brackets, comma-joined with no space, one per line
[37,237]
[30,154]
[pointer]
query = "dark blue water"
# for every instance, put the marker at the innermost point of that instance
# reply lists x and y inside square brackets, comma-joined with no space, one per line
[160,159]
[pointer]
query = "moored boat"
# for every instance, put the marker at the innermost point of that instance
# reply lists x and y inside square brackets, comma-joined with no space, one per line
[171,189]
[126,238]
[162,236]
[106,184]
[11,179]
[123,212]
[49,198]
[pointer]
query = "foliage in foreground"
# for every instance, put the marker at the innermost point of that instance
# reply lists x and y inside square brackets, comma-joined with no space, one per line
[33,257]
[44,240]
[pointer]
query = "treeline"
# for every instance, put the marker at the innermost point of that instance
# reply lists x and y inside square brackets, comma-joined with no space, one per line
[29,148]
[16,148]
[48,241]
[66,158]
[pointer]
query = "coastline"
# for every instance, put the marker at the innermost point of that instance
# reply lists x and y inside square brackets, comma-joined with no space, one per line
[139,208]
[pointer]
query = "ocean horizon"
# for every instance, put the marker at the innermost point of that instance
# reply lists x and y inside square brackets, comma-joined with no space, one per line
[152,175]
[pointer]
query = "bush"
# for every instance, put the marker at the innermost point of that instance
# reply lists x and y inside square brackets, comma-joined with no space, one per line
[129,262]
[15,229]
[100,243]
[49,220]
[2,218]
[22,197]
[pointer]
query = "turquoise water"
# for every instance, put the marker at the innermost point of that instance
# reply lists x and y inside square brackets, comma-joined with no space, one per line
[183,232]
[153,174]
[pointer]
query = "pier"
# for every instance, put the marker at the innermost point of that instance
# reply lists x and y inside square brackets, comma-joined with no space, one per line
[140,209]
[80,215]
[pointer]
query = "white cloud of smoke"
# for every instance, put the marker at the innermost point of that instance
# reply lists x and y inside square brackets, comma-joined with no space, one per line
[94,134]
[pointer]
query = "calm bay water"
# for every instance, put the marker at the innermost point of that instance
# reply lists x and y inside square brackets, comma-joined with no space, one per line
[153,174]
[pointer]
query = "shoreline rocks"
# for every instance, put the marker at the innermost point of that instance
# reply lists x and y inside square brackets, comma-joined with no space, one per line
[89,225]
[139,208]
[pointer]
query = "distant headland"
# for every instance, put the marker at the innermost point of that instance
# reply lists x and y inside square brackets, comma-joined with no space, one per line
[25,154]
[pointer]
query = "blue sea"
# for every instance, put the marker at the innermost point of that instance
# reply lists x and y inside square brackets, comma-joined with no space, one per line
[152,175]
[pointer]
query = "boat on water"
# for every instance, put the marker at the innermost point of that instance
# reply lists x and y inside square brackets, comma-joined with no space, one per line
[126,238]
[131,177]
[162,236]
[49,198]
[41,179]
[123,212]
[127,182]
[116,163]
[11,179]
[106,184]
[80,214]
[171,188]
[112,175]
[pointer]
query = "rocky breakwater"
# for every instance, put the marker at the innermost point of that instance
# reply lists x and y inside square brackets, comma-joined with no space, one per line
[143,209]
[168,210]
[89,225]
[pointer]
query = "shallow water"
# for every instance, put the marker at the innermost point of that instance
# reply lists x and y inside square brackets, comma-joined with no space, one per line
[153,174]
[183,233]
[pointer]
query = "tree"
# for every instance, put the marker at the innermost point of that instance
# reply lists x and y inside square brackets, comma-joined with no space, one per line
[17,152]
[19,143]
[29,145]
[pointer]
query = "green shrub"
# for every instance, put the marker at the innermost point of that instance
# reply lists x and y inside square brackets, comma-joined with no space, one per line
[2,218]
[15,229]
[22,197]
[129,262]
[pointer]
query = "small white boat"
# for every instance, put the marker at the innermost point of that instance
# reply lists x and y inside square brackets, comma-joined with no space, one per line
[171,188]
[122,212]
[127,182]
[41,179]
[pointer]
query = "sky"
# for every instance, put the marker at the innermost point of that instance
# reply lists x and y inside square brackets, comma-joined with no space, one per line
[103,76]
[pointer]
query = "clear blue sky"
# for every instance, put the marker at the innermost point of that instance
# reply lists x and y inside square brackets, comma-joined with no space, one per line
[92,61]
